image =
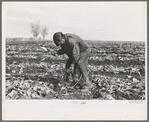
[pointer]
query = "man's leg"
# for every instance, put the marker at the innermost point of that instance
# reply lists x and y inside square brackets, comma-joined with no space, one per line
[82,65]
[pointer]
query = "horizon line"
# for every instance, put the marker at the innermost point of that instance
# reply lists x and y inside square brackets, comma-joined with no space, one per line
[83,39]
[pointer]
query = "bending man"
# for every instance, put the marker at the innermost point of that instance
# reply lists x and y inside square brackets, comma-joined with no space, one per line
[78,53]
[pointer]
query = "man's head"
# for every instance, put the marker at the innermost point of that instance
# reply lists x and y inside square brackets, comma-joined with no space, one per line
[59,38]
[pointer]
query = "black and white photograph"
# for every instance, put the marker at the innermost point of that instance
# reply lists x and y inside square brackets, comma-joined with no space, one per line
[75,51]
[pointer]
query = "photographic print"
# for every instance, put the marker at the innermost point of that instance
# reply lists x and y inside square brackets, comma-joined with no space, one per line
[75,51]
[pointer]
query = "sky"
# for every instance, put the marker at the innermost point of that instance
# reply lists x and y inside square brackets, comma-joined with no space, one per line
[119,21]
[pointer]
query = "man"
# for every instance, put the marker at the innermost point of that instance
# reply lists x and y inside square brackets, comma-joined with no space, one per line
[77,51]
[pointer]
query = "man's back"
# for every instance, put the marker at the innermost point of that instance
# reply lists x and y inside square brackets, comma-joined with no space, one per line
[77,41]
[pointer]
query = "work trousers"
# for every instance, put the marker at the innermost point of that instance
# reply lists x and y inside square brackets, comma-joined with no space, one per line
[80,67]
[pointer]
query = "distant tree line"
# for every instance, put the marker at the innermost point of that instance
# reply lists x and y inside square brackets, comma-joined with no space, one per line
[36,29]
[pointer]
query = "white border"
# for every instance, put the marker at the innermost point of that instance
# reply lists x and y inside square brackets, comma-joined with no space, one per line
[66,109]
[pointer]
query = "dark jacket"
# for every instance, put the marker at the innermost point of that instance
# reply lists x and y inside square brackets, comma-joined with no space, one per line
[73,47]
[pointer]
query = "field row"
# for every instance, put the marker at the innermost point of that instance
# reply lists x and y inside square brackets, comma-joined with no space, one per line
[93,60]
[46,67]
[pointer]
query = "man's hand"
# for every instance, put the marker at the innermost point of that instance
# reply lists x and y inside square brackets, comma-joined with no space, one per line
[70,70]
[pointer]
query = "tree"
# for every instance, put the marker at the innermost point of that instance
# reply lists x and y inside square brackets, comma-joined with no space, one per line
[44,32]
[35,28]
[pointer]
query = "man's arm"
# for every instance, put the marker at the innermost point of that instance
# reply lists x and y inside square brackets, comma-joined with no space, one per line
[68,63]
[60,52]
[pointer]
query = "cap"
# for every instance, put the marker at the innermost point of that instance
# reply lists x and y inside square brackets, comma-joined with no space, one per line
[57,37]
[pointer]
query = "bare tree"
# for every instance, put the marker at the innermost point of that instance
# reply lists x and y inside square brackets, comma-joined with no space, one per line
[44,32]
[35,28]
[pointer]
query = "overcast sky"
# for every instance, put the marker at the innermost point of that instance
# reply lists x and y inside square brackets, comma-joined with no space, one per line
[90,20]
